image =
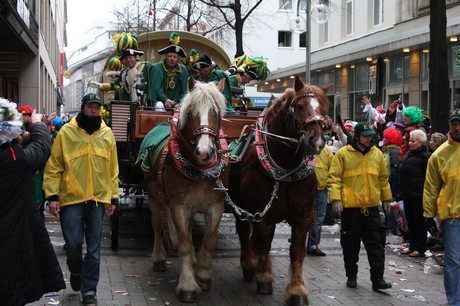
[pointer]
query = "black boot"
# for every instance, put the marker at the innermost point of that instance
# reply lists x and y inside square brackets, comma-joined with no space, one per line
[380,284]
[351,282]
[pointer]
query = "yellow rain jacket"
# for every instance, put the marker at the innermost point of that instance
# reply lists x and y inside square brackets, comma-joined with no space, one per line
[358,180]
[82,167]
[441,195]
[323,162]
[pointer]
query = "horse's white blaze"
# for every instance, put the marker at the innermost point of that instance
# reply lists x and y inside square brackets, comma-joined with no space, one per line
[204,141]
[316,110]
[315,105]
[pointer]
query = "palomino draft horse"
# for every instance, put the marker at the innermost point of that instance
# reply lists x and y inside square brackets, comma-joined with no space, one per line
[275,181]
[182,182]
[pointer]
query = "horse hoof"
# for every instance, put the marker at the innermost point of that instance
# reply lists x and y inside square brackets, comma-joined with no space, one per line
[264,288]
[205,284]
[187,296]
[159,266]
[297,300]
[249,274]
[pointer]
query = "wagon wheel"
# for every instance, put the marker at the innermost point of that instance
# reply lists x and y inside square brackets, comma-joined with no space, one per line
[115,229]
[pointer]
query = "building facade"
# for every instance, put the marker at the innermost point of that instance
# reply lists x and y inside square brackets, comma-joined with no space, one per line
[86,63]
[378,48]
[33,39]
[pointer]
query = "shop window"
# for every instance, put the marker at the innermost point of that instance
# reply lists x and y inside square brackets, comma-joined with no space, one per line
[362,77]
[424,67]
[454,61]
[395,71]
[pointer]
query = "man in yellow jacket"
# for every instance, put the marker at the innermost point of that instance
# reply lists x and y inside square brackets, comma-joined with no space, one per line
[80,182]
[441,198]
[357,183]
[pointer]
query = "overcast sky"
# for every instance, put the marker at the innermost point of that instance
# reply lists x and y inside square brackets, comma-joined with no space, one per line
[81,13]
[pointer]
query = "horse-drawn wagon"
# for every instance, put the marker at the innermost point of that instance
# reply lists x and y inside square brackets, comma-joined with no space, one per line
[189,173]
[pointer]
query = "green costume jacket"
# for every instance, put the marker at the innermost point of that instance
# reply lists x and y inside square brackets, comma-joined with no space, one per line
[215,76]
[163,86]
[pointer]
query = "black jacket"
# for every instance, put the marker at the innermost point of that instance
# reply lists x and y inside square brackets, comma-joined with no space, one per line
[412,171]
[28,264]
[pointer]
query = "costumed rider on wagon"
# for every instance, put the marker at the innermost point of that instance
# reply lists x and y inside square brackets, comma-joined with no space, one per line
[167,79]
[243,70]
[132,73]
[207,72]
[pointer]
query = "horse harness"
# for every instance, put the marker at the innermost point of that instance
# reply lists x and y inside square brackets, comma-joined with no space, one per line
[270,168]
[188,169]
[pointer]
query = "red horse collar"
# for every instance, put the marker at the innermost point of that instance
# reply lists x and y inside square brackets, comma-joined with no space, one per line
[269,167]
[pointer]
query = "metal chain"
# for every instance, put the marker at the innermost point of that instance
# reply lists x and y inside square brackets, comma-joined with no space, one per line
[243,214]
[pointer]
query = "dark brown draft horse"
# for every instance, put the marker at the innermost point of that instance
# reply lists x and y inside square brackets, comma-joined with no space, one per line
[183,183]
[275,181]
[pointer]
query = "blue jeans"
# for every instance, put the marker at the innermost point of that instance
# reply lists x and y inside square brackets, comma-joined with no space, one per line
[314,237]
[79,222]
[451,236]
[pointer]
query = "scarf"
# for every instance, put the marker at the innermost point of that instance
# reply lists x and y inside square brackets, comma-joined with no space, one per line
[89,124]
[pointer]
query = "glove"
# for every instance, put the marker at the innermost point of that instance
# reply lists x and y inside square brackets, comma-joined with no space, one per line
[336,208]
[95,85]
[386,206]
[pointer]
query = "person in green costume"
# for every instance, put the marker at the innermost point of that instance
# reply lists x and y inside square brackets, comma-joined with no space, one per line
[167,79]
[208,73]
[129,76]
[245,69]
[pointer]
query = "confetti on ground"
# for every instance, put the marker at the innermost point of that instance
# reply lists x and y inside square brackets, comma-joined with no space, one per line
[408,290]
[120,291]
[132,275]
[421,298]
[53,302]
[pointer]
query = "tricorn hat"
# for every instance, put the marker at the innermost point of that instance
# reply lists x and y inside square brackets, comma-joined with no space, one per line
[132,52]
[203,61]
[174,47]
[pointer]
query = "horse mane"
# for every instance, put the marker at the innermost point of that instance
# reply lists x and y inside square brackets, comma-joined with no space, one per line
[201,98]
[281,101]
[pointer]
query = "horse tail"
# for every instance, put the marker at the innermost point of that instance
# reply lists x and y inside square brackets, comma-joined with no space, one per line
[172,228]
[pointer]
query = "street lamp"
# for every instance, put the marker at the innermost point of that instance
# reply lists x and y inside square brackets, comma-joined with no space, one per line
[319,14]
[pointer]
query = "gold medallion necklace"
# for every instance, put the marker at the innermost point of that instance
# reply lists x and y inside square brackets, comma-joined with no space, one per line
[171,83]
